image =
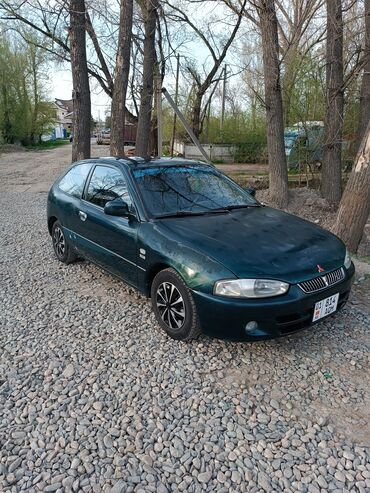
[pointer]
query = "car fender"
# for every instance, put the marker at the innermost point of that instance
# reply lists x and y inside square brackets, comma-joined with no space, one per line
[199,271]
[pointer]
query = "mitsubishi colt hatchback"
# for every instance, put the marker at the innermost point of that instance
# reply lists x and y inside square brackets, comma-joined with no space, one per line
[208,254]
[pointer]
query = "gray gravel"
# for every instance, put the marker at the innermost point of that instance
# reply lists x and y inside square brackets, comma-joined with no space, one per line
[93,397]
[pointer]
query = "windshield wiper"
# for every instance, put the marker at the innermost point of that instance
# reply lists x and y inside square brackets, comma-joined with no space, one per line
[193,213]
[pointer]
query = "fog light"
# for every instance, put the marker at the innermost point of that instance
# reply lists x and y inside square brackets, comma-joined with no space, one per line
[251,326]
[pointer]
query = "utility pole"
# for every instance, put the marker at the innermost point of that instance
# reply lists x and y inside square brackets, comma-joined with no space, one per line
[223,98]
[176,102]
[208,116]
[186,125]
[158,94]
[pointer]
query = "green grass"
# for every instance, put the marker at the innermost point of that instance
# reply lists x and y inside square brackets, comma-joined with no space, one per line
[293,171]
[365,259]
[246,174]
[50,144]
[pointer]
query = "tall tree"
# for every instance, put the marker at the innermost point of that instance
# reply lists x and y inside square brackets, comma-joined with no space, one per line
[365,84]
[48,18]
[148,8]
[122,69]
[298,34]
[332,147]
[217,48]
[80,79]
[278,173]
[268,27]
[36,97]
[25,113]
[354,208]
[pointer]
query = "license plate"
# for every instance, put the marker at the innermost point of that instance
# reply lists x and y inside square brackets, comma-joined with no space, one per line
[325,307]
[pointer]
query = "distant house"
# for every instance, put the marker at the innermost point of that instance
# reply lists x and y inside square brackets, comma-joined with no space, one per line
[64,118]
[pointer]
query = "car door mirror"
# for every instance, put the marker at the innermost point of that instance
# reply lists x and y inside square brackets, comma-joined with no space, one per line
[251,191]
[117,207]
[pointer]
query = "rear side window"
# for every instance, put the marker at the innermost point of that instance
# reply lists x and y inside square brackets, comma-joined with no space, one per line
[73,182]
[107,184]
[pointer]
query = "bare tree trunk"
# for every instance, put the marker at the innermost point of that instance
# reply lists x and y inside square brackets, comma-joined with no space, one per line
[332,148]
[195,114]
[81,88]
[365,85]
[122,70]
[146,100]
[354,207]
[278,177]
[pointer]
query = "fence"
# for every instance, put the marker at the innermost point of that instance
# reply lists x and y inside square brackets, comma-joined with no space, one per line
[228,153]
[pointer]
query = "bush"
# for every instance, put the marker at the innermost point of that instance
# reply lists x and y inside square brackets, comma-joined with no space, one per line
[251,152]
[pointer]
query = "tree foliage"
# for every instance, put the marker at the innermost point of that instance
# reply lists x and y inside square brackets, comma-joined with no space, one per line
[25,112]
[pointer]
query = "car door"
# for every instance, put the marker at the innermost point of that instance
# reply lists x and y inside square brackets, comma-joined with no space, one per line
[68,198]
[108,240]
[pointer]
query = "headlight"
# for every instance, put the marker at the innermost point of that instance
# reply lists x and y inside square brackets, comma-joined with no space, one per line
[347,260]
[250,288]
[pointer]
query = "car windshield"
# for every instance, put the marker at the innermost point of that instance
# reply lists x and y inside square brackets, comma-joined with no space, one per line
[186,190]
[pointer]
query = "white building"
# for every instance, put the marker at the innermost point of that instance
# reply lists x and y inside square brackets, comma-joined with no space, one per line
[64,118]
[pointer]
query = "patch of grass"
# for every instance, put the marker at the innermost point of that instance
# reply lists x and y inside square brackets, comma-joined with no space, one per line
[49,144]
[293,171]
[365,259]
[238,173]
[246,173]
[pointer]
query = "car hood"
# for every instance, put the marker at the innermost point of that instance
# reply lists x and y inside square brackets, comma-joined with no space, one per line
[260,242]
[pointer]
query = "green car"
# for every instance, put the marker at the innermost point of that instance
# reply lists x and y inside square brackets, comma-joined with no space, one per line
[212,259]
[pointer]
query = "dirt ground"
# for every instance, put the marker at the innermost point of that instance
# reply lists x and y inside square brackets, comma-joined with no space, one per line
[34,171]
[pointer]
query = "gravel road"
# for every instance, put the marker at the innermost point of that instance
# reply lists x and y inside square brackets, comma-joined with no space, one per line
[94,398]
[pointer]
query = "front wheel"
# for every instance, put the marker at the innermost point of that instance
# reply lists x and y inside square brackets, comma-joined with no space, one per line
[174,307]
[62,249]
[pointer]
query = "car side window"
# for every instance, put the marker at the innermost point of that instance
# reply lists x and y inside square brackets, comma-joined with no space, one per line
[107,184]
[73,182]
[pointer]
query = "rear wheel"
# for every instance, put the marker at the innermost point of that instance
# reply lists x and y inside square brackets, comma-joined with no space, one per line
[62,249]
[174,307]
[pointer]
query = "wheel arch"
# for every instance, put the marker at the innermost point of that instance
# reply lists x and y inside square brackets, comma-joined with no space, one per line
[51,221]
[152,272]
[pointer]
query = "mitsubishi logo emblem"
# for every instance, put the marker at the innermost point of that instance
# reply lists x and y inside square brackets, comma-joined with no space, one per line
[320,269]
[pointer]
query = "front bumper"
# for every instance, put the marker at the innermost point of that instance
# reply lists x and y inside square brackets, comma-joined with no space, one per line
[226,318]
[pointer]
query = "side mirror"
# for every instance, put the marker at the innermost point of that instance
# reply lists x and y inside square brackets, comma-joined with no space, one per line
[251,191]
[116,207]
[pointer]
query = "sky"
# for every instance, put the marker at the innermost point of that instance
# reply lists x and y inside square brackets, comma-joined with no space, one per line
[60,83]
[60,80]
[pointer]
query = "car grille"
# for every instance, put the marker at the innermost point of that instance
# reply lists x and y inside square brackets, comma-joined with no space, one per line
[322,282]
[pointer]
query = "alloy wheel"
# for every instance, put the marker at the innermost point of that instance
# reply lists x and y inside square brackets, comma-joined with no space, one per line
[59,242]
[170,305]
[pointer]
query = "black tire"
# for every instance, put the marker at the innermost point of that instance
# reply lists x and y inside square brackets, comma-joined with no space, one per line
[62,248]
[178,315]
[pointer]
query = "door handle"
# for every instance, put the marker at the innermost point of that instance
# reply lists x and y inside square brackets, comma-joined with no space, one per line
[83,215]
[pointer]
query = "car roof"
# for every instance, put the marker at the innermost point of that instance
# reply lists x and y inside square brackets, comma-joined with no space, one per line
[135,161]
